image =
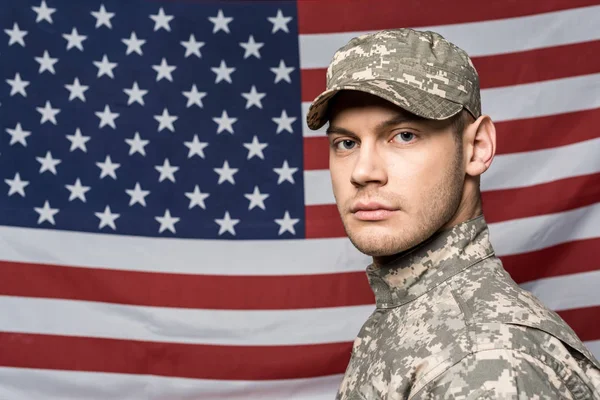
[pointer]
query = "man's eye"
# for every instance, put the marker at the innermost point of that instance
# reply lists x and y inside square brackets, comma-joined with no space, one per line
[345,144]
[404,137]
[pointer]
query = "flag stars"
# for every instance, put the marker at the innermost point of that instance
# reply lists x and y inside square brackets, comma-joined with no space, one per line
[46,63]
[196,147]
[280,22]
[103,17]
[136,95]
[46,213]
[197,198]
[167,222]
[77,190]
[74,39]
[227,224]
[44,13]
[284,122]
[253,98]
[78,141]
[107,218]
[226,173]
[16,185]
[16,35]
[192,47]
[108,168]
[257,199]
[137,145]
[282,72]
[286,224]
[167,171]
[76,90]
[105,67]
[164,70]
[18,135]
[137,195]
[47,163]
[161,20]
[255,148]
[251,48]
[225,122]
[107,117]
[134,45]
[194,97]
[285,173]
[48,113]
[221,22]
[223,72]
[165,120]
[17,85]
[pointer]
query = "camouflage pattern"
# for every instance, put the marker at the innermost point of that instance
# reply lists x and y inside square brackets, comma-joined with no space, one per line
[450,323]
[419,71]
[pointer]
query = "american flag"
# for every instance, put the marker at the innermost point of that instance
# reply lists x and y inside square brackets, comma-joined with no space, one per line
[168,228]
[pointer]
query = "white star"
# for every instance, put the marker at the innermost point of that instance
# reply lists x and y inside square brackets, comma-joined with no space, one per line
[223,73]
[164,70]
[105,67]
[227,224]
[255,148]
[16,35]
[167,171]
[221,22]
[136,145]
[46,63]
[107,218]
[194,97]
[17,85]
[78,141]
[161,20]
[74,39]
[196,147]
[77,190]
[285,173]
[18,135]
[107,117]
[257,199]
[48,163]
[46,213]
[226,173]
[108,168]
[253,98]
[286,224]
[48,113]
[192,47]
[284,122]
[135,94]
[16,185]
[43,12]
[197,198]
[251,47]
[103,17]
[282,72]
[133,44]
[225,123]
[137,195]
[280,22]
[167,222]
[165,121]
[76,90]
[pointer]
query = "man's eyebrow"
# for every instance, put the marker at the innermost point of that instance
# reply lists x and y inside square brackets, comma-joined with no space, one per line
[336,129]
[395,120]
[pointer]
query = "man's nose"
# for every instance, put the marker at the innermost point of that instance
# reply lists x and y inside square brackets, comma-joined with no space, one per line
[369,167]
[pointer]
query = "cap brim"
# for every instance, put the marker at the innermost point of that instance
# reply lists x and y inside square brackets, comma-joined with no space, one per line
[409,98]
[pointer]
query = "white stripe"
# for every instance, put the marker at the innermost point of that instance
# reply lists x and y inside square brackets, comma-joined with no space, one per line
[309,256]
[568,291]
[529,100]
[594,347]
[180,325]
[34,384]
[480,38]
[506,172]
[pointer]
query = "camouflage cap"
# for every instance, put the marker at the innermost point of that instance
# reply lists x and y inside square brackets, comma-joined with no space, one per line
[419,71]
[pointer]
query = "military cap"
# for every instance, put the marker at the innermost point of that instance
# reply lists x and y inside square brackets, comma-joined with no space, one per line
[419,71]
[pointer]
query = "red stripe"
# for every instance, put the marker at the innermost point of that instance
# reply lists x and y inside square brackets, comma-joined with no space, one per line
[185,291]
[359,15]
[584,321]
[504,69]
[512,136]
[172,359]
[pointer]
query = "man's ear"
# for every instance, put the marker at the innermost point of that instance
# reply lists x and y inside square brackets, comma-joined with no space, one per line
[479,139]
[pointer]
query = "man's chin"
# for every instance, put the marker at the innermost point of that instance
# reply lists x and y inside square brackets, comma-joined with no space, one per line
[376,242]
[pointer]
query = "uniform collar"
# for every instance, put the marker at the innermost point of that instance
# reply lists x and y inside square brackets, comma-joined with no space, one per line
[430,263]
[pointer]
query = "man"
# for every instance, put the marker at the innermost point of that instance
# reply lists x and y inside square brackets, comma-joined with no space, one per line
[408,143]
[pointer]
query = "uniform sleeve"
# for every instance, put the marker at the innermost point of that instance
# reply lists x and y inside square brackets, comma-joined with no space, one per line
[495,375]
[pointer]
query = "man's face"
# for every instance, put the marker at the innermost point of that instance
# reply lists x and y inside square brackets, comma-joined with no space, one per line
[396,179]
